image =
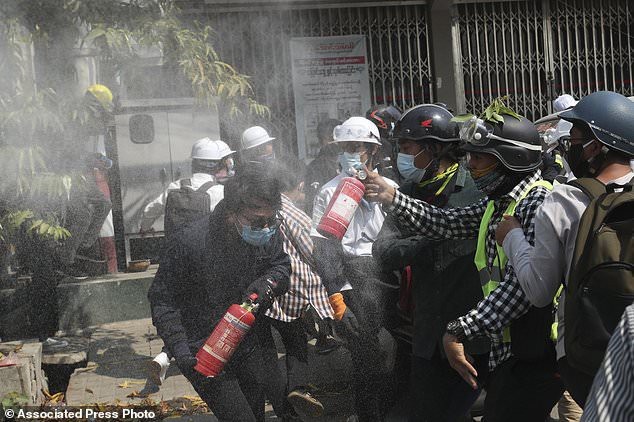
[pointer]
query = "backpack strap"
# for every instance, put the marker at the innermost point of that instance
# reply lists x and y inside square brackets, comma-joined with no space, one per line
[589,186]
[206,186]
[186,183]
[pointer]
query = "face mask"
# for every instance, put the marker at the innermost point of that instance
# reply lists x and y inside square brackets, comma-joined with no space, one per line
[476,174]
[256,237]
[578,166]
[349,161]
[407,168]
[267,158]
[489,182]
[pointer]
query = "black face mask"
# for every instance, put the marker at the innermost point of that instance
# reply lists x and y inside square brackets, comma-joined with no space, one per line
[578,166]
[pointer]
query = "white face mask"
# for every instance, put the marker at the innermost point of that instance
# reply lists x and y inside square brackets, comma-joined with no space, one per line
[407,168]
[349,160]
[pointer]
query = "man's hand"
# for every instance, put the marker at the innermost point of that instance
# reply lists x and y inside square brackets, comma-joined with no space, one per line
[349,322]
[263,287]
[184,358]
[186,363]
[377,189]
[504,227]
[460,361]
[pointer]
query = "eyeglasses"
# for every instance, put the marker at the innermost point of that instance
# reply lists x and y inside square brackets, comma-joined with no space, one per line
[344,133]
[259,222]
[476,132]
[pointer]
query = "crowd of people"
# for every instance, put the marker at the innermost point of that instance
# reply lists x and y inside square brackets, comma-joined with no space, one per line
[475,222]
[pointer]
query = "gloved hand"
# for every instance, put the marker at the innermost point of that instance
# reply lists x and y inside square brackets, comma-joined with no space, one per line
[263,287]
[343,315]
[349,322]
[184,358]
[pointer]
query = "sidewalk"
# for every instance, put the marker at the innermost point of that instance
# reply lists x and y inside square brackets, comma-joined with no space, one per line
[115,373]
[117,355]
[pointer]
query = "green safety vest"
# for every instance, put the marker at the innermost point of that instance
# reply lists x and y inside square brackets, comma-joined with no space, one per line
[490,280]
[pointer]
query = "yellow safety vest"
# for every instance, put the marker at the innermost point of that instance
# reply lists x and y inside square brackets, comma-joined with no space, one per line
[490,280]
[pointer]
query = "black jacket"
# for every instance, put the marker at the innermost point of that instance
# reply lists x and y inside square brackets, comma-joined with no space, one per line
[445,280]
[205,269]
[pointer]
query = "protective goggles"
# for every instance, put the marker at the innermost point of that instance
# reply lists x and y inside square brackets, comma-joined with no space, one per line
[211,164]
[348,133]
[475,132]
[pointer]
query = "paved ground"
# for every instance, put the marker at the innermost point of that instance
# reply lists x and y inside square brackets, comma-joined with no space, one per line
[115,373]
[117,355]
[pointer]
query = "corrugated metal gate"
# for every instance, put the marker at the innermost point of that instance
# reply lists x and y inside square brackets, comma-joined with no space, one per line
[397,44]
[536,50]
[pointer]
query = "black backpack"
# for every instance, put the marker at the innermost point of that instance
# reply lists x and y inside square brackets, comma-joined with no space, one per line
[601,280]
[186,205]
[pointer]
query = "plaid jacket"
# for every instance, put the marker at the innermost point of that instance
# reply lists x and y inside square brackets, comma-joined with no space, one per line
[507,302]
[305,287]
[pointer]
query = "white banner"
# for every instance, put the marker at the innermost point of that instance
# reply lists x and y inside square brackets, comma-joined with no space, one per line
[330,81]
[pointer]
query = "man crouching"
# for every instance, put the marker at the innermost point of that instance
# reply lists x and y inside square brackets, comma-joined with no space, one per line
[216,262]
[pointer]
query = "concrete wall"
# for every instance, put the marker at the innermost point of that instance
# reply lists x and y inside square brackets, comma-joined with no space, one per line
[82,304]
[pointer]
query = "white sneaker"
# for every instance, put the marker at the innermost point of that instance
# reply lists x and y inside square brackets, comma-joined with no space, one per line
[157,368]
[54,343]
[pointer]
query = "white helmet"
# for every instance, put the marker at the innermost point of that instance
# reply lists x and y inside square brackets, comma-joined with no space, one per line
[206,149]
[356,129]
[255,136]
[564,102]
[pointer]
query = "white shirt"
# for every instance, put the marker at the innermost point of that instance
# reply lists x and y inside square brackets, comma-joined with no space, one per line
[156,208]
[365,225]
[541,269]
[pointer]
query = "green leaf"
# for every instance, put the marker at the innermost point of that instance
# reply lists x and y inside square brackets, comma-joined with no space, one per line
[496,117]
[461,118]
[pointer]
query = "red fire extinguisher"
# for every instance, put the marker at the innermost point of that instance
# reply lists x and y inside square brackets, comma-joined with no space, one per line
[226,338]
[341,209]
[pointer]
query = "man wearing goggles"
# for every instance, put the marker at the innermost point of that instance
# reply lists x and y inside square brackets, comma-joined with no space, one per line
[504,159]
[443,278]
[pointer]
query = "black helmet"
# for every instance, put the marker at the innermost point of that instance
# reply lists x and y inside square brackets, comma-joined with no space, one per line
[384,117]
[427,121]
[609,115]
[515,142]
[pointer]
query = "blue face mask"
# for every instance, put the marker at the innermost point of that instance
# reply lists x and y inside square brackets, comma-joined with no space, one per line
[256,237]
[407,169]
[349,160]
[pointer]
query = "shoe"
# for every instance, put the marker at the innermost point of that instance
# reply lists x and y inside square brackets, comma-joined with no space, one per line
[305,404]
[54,344]
[157,368]
[326,344]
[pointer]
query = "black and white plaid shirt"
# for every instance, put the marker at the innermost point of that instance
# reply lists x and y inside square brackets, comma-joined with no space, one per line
[306,287]
[507,302]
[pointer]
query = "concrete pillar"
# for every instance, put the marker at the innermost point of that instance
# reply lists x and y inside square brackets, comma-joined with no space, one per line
[442,50]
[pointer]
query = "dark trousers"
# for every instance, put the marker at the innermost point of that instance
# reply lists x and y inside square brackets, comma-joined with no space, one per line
[577,383]
[372,391]
[438,393]
[237,394]
[522,391]
[294,340]
[85,214]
